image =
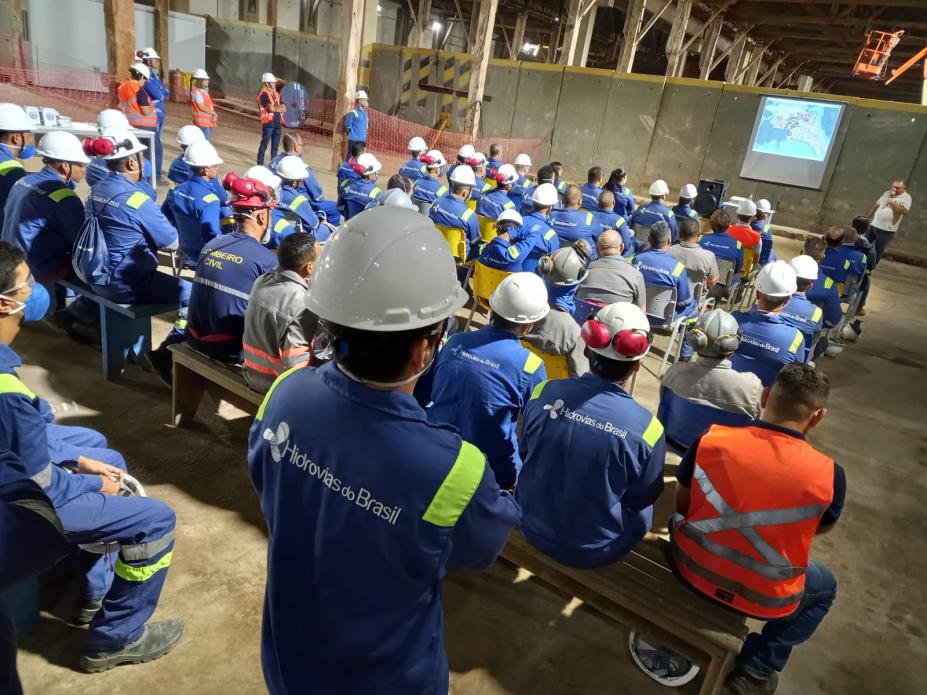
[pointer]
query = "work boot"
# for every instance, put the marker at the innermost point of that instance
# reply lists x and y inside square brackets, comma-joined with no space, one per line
[158,639]
[739,683]
[861,312]
[162,362]
[89,608]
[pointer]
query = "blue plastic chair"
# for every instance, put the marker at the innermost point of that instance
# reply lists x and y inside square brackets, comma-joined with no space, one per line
[684,421]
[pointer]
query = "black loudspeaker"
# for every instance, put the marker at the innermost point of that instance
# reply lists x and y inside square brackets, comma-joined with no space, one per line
[710,195]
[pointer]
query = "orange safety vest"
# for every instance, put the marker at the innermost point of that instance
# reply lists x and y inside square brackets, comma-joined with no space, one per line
[757,497]
[128,102]
[201,117]
[267,115]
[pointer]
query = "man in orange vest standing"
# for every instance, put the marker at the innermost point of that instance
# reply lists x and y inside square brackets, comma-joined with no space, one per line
[134,100]
[749,503]
[204,113]
[272,110]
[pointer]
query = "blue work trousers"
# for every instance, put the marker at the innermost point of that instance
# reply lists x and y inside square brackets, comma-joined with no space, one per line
[270,134]
[159,149]
[769,650]
[330,208]
[880,239]
[207,132]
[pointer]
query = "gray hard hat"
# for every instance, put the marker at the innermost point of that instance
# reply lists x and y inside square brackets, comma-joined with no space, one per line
[397,198]
[715,334]
[567,266]
[385,270]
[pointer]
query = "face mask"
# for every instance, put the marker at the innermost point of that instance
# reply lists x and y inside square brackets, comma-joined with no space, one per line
[27,152]
[34,308]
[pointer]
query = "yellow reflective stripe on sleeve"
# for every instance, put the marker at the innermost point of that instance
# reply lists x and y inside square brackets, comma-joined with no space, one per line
[677,271]
[508,205]
[619,223]
[532,363]
[537,390]
[653,432]
[61,194]
[10,383]
[210,198]
[424,170]
[513,252]
[281,225]
[270,391]
[458,487]
[441,191]
[140,574]
[693,214]
[739,245]
[136,200]
[816,316]
[672,214]
[344,183]
[297,201]
[828,283]
[796,343]
[467,214]
[9,165]
[374,192]
[846,264]
[550,235]
[588,218]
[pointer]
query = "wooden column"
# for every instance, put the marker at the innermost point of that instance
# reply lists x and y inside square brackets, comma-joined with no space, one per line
[571,25]
[753,71]
[424,18]
[352,28]
[119,23]
[709,46]
[632,33]
[161,36]
[482,48]
[518,38]
[271,13]
[734,59]
[674,51]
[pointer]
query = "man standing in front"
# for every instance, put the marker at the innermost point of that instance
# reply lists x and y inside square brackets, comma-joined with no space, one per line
[889,210]
[272,109]
[742,533]
[355,122]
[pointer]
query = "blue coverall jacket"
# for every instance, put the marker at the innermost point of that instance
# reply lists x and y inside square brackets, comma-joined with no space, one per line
[453,213]
[824,293]
[659,268]
[610,219]
[368,506]
[428,190]
[591,194]
[296,200]
[573,225]
[684,211]
[507,254]
[359,195]
[723,245]
[11,171]
[414,169]
[545,239]
[196,210]
[767,345]
[766,240]
[804,315]
[624,201]
[651,213]
[518,191]
[356,124]
[492,204]
[838,262]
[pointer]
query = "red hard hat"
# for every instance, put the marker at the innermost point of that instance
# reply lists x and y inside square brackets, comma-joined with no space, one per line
[248,194]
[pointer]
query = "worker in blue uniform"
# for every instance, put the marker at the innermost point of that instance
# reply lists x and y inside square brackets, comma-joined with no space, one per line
[573,224]
[520,188]
[493,162]
[511,245]
[158,94]
[84,491]
[660,269]
[862,244]
[451,215]
[327,210]
[427,190]
[769,342]
[362,193]
[761,224]
[593,456]
[559,183]
[684,209]
[293,173]
[415,169]
[464,152]
[800,312]
[478,163]
[283,222]
[97,169]
[624,197]
[194,205]
[495,201]
[646,215]
[537,225]
[356,120]
[592,189]
[545,175]
[609,218]
[483,379]
[824,290]
[16,145]
[842,259]
[411,500]
[179,170]
[226,271]
[722,244]
[43,213]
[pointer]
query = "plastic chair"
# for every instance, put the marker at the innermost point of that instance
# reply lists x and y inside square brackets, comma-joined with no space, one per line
[684,421]
[555,365]
[487,228]
[661,309]
[485,281]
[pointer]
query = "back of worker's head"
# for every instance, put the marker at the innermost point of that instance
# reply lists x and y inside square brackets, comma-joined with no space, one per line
[401,182]
[616,178]
[495,150]
[850,235]
[659,234]
[720,221]
[357,149]
[546,174]
[609,243]
[298,253]
[715,334]
[557,168]
[688,229]
[594,175]
[798,396]
[833,237]
[292,143]
[861,225]
[572,197]
[814,247]
[606,200]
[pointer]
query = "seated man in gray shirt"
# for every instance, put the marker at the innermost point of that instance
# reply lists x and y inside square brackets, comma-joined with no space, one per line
[278,325]
[711,380]
[611,278]
[700,263]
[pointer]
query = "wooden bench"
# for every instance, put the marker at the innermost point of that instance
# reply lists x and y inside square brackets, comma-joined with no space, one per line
[195,374]
[641,592]
[125,329]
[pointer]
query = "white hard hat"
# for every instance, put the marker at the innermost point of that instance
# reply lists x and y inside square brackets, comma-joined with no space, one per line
[777,280]
[126,143]
[147,53]
[545,195]
[188,134]
[510,215]
[386,270]
[463,174]
[466,151]
[746,208]
[417,144]
[369,163]
[264,175]
[763,205]
[202,154]
[659,188]
[361,94]
[688,191]
[62,147]
[520,298]
[141,69]
[479,159]
[508,174]
[13,119]
[805,267]
[398,198]
[268,77]
[291,168]
[619,332]
[128,487]
[522,160]
[114,118]
[200,74]
[437,159]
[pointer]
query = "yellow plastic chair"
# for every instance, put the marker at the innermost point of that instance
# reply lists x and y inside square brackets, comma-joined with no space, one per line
[485,282]
[487,228]
[555,365]
[456,238]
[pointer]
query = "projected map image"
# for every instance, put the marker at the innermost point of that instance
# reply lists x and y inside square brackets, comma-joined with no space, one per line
[791,128]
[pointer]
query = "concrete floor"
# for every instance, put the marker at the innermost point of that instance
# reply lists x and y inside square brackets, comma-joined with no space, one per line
[507,633]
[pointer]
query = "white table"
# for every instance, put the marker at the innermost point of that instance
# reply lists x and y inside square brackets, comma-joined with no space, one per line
[89,130]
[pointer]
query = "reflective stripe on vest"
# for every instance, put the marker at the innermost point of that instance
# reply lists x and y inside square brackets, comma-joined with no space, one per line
[130,573]
[222,288]
[8,166]
[61,194]
[268,115]
[128,101]
[457,488]
[200,116]
[10,383]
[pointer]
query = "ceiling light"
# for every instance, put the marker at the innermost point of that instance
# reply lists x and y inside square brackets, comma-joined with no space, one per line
[436,26]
